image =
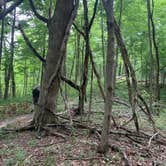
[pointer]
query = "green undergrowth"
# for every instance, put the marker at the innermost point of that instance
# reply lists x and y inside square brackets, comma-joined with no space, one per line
[16,100]
[160,120]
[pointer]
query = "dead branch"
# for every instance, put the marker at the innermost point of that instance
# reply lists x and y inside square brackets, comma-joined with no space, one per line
[151,138]
[45,20]
[21,129]
[70,83]
[27,41]
[54,133]
[10,9]
[88,158]
[115,148]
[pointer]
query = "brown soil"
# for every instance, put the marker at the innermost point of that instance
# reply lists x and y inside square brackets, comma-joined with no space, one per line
[78,149]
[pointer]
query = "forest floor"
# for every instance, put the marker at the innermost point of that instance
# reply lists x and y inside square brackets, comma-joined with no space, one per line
[76,147]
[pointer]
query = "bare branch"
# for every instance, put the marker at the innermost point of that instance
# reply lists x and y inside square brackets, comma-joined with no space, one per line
[30,45]
[69,82]
[76,27]
[36,13]
[10,9]
[94,14]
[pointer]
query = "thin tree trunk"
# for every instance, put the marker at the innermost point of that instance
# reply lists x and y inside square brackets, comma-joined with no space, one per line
[7,77]
[25,79]
[91,96]
[86,60]
[9,71]
[12,56]
[117,49]
[151,55]
[108,5]
[132,86]
[77,69]
[1,47]
[157,70]
[102,40]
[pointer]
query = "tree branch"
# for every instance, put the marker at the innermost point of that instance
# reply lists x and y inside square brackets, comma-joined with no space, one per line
[94,14]
[69,82]
[30,45]
[10,9]
[76,27]
[36,13]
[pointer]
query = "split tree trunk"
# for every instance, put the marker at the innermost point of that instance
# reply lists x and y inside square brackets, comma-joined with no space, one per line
[58,27]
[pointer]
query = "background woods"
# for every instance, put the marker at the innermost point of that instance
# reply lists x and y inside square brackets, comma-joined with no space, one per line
[101,67]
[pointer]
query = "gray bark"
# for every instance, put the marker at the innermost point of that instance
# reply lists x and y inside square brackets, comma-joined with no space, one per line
[108,5]
[58,27]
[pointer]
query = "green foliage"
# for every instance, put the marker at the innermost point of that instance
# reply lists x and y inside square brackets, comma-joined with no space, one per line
[18,158]
[160,120]
[32,142]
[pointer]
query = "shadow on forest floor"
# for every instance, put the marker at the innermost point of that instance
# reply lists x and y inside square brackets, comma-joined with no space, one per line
[78,148]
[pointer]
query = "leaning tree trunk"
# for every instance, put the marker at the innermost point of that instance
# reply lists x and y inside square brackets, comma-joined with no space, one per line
[108,5]
[58,27]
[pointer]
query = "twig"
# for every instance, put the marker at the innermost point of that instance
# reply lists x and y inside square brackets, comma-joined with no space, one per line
[10,9]
[40,17]
[88,158]
[54,132]
[151,138]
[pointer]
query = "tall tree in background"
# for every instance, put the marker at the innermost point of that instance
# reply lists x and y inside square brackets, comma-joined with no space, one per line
[12,55]
[108,6]
[151,55]
[9,74]
[1,46]
[157,66]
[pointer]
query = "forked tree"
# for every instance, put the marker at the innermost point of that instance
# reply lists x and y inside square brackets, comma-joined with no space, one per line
[58,23]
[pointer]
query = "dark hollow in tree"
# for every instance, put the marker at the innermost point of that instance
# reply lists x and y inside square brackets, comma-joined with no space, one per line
[35,94]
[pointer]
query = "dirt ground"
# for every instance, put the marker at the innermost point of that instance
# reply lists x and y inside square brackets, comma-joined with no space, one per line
[78,148]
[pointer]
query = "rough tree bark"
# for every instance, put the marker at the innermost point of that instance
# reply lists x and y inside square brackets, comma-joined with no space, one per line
[58,27]
[108,5]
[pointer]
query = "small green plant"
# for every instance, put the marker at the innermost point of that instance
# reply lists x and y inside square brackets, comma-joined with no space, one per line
[50,161]
[32,142]
[160,120]
[20,154]
[10,162]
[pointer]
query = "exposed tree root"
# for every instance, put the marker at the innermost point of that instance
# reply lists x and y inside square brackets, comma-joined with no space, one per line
[139,138]
[20,129]
[122,153]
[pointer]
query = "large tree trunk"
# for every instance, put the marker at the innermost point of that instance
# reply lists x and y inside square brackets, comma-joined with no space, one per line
[58,27]
[108,5]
